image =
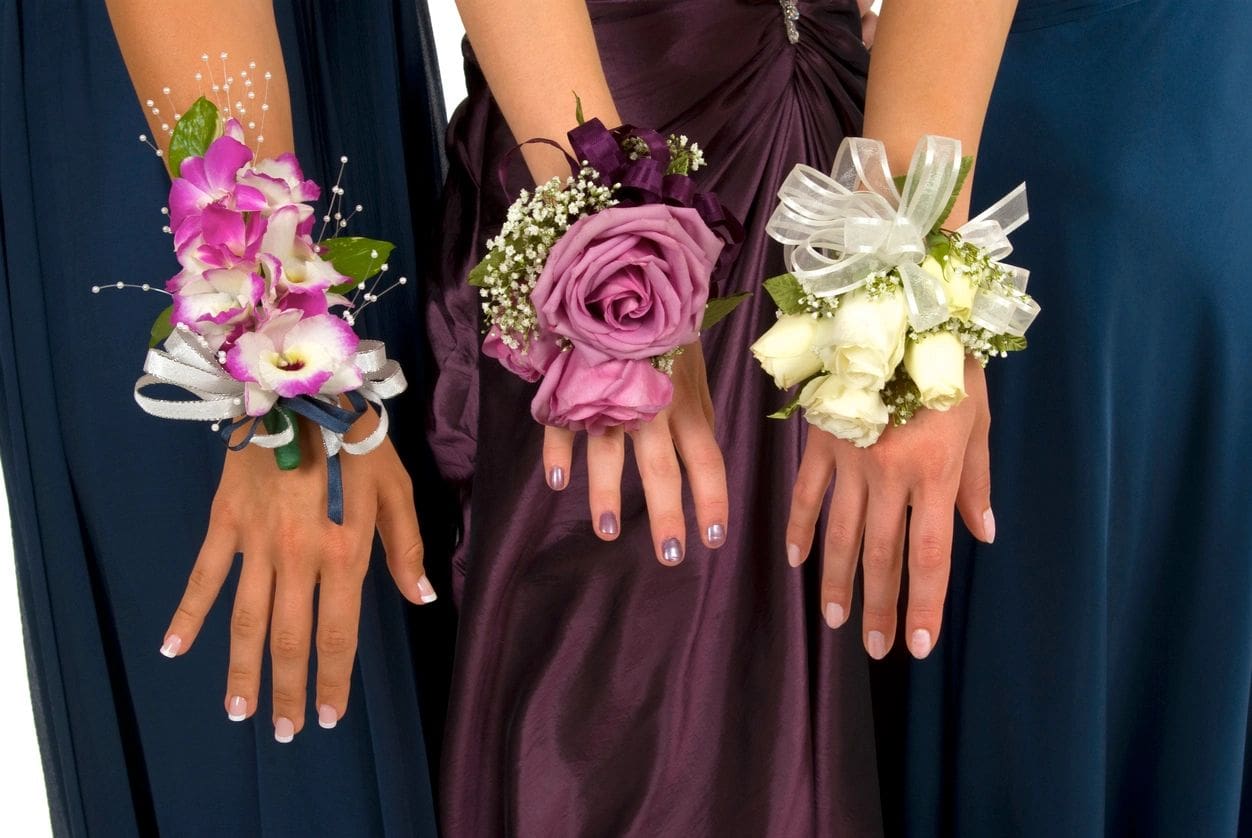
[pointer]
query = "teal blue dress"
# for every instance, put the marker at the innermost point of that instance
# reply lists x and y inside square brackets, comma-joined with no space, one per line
[1093,676]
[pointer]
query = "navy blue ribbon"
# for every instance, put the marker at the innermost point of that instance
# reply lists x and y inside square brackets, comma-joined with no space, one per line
[332,417]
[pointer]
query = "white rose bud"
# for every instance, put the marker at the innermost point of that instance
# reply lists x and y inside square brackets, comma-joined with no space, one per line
[957,286]
[850,413]
[788,351]
[868,339]
[936,363]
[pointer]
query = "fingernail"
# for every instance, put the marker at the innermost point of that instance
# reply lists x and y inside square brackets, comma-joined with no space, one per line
[715,535]
[327,717]
[672,550]
[793,555]
[608,523]
[834,615]
[919,644]
[237,710]
[425,590]
[171,645]
[284,730]
[988,526]
[876,643]
[556,478]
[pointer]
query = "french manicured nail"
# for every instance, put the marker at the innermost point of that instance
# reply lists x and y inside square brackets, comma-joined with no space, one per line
[876,643]
[715,535]
[556,478]
[989,526]
[793,555]
[834,615]
[608,523]
[171,645]
[920,643]
[425,590]
[284,730]
[672,550]
[237,710]
[327,717]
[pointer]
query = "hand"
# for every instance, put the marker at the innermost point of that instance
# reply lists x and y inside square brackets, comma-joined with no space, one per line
[934,461]
[278,520]
[686,425]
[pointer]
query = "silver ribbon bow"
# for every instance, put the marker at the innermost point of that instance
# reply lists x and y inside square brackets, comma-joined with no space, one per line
[841,228]
[187,361]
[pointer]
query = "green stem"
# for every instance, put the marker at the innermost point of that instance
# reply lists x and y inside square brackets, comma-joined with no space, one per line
[287,456]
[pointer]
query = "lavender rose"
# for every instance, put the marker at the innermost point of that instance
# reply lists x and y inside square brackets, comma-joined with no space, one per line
[526,362]
[628,283]
[580,394]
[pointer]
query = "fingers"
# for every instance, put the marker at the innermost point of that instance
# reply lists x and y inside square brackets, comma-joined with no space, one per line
[249,622]
[558,451]
[974,497]
[662,489]
[402,541]
[817,466]
[844,529]
[930,558]
[882,561]
[291,628]
[338,616]
[217,554]
[706,473]
[605,456]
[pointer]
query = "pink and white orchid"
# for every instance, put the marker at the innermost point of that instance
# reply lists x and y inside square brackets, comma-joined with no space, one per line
[211,179]
[291,259]
[287,356]
[283,184]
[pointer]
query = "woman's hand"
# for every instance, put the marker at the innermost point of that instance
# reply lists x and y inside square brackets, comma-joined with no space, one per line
[936,460]
[684,429]
[277,519]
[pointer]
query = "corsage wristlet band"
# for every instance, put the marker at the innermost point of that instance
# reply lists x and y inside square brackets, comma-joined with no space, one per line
[260,329]
[595,284]
[882,304]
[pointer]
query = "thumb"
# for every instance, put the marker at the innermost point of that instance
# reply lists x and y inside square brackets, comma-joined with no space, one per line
[402,541]
[974,495]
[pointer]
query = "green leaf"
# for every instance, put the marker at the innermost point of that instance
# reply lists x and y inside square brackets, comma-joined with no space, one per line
[967,163]
[352,257]
[788,410]
[787,292]
[276,421]
[718,309]
[899,181]
[478,275]
[1008,343]
[193,133]
[161,327]
[578,109]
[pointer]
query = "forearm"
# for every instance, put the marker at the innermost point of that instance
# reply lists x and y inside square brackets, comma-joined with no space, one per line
[924,82]
[536,55]
[162,49]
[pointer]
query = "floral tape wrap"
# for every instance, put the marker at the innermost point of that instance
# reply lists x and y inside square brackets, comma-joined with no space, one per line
[187,362]
[841,228]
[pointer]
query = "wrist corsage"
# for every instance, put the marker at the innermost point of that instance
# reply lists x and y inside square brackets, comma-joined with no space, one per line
[260,329]
[594,284]
[882,304]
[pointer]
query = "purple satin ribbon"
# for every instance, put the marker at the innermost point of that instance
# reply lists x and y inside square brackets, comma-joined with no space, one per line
[644,181]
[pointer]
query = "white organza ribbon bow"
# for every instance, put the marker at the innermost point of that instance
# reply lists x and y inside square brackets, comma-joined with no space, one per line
[189,363]
[842,228]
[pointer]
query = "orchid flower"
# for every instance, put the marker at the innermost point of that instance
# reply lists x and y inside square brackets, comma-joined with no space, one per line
[291,259]
[211,179]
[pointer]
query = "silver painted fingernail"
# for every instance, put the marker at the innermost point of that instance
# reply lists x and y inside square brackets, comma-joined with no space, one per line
[237,710]
[608,523]
[920,643]
[989,526]
[171,645]
[425,590]
[556,478]
[672,550]
[834,615]
[876,645]
[284,730]
[715,535]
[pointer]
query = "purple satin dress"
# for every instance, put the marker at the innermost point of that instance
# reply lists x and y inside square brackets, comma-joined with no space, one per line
[597,692]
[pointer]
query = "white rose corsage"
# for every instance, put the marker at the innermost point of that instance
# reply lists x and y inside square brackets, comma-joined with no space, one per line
[881,303]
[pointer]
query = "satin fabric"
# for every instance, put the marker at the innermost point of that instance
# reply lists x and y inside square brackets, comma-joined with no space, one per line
[595,691]
[109,504]
[1094,673]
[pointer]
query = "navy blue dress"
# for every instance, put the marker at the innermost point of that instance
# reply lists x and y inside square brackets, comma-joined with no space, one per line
[1094,673]
[109,504]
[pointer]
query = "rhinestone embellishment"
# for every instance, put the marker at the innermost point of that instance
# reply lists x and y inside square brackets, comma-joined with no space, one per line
[791,13]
